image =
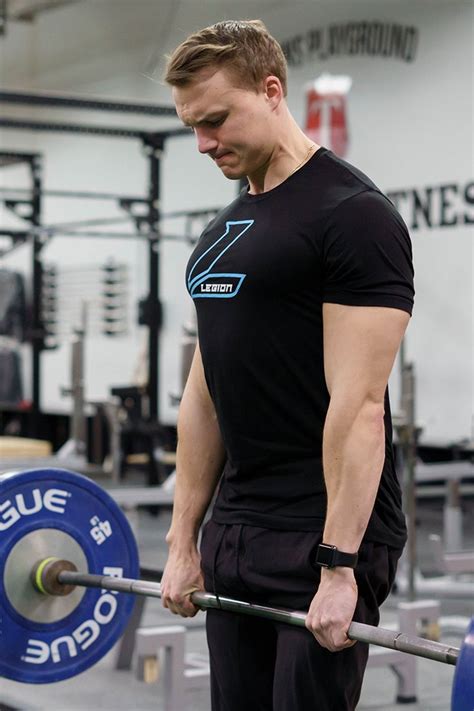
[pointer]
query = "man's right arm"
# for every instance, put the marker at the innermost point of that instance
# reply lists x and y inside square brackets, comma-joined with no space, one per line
[199,462]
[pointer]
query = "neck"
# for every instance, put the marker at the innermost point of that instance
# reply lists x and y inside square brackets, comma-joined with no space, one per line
[290,151]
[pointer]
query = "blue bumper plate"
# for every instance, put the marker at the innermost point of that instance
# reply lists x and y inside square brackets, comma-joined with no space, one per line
[53,512]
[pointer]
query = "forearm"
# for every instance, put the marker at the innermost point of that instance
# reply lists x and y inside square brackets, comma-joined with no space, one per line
[200,458]
[360,344]
[353,457]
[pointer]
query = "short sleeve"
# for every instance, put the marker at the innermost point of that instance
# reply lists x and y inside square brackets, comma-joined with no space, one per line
[367,255]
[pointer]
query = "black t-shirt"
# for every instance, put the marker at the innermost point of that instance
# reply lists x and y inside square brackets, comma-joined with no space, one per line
[259,276]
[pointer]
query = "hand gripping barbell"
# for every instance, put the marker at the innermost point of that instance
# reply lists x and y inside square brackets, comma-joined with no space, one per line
[69,551]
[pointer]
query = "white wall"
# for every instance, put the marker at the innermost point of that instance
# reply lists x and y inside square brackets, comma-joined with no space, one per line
[411,126]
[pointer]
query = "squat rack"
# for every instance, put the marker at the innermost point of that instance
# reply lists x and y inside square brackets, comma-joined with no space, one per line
[33,216]
[148,224]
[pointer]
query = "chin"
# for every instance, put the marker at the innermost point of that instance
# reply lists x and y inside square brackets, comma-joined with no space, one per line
[233,173]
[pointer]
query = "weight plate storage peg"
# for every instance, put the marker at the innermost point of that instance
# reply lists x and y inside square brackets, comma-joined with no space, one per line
[50,513]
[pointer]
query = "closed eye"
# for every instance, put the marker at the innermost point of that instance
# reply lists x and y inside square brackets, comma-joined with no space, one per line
[215,122]
[208,123]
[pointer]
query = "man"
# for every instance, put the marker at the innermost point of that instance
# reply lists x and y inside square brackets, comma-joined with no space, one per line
[303,290]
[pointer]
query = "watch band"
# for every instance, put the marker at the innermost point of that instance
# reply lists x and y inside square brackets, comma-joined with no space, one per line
[328,556]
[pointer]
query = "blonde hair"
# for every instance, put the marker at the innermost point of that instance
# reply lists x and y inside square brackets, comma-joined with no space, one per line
[244,48]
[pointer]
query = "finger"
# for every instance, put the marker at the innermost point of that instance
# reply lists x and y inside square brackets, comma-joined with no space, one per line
[327,637]
[337,644]
[329,645]
[172,605]
[182,606]
[350,643]
[187,609]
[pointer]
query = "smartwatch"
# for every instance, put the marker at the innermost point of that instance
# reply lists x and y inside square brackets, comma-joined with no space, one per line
[330,557]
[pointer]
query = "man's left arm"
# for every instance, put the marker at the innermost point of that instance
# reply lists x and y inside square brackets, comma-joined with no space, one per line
[360,346]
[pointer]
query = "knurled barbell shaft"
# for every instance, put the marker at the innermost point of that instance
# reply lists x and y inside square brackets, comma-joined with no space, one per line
[399,641]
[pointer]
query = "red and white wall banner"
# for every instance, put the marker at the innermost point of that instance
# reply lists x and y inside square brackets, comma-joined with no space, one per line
[326,112]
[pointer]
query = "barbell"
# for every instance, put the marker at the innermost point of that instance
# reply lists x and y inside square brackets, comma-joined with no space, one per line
[67,555]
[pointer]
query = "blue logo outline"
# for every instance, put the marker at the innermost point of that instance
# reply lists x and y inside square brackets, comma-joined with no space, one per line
[198,279]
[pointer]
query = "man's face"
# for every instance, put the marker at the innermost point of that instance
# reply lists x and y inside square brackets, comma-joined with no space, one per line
[232,125]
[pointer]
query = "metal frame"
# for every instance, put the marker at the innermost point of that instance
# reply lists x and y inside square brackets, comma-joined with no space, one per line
[3,17]
[154,313]
[153,143]
[83,194]
[84,102]
[89,129]
[27,11]
[36,336]
[153,148]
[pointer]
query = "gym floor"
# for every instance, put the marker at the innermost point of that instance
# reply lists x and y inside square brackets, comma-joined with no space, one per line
[103,687]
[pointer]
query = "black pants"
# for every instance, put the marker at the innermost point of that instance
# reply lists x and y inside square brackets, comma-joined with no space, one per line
[260,665]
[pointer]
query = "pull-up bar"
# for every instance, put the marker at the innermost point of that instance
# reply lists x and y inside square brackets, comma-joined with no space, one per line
[90,129]
[58,100]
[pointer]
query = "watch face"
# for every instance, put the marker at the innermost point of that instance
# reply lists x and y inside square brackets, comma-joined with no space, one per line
[325,555]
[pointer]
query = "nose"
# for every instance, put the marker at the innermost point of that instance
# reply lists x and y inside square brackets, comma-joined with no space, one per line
[205,140]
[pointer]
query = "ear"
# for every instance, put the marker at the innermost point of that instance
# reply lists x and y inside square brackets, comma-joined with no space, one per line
[273,91]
